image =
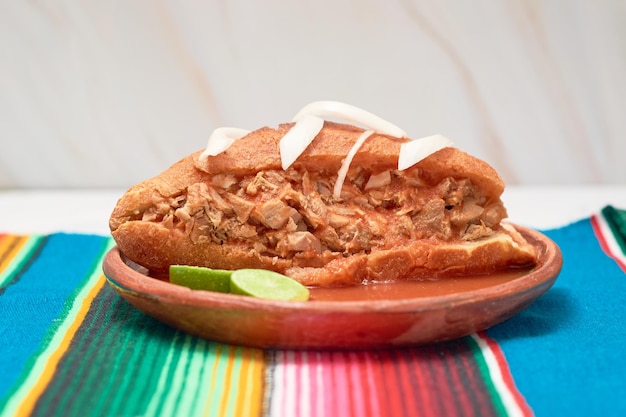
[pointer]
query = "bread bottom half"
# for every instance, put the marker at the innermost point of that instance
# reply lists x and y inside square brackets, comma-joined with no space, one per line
[156,247]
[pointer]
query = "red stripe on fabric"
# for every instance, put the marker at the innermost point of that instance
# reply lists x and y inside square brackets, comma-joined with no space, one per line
[422,385]
[341,383]
[392,391]
[315,383]
[355,384]
[320,398]
[369,391]
[329,384]
[316,395]
[411,392]
[370,401]
[439,375]
[299,372]
[341,391]
[311,363]
[284,382]
[507,377]
[462,393]
[482,401]
[377,378]
[602,240]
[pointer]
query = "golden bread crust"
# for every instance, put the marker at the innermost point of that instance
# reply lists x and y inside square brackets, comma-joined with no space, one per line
[259,151]
[217,213]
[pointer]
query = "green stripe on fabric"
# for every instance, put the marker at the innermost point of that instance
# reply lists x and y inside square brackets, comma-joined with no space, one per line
[471,379]
[222,391]
[147,370]
[190,379]
[198,383]
[54,393]
[155,407]
[20,260]
[120,361]
[177,384]
[132,378]
[199,369]
[159,353]
[57,331]
[616,219]
[123,362]
[117,348]
[189,398]
[203,378]
[483,368]
[117,351]
[215,391]
[232,390]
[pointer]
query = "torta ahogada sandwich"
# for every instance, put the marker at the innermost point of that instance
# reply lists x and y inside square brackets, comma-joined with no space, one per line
[324,203]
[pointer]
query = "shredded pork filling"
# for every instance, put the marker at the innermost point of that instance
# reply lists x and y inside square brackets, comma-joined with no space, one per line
[294,214]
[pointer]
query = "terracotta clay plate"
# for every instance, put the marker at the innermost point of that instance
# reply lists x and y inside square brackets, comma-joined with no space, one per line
[364,316]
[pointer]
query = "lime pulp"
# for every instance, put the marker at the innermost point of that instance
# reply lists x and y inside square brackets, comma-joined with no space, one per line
[259,283]
[266,284]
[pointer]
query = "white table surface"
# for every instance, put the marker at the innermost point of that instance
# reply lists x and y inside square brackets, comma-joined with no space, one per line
[87,211]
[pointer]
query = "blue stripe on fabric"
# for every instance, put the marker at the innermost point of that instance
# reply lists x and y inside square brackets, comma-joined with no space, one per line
[567,350]
[32,305]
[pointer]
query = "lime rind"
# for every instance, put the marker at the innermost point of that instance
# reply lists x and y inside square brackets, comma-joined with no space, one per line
[200,278]
[258,283]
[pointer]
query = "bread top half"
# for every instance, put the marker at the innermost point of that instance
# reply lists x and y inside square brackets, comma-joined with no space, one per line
[259,151]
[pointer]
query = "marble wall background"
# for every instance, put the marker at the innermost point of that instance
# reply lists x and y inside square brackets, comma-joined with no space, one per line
[106,93]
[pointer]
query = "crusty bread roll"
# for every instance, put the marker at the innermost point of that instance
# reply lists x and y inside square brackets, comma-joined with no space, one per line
[240,209]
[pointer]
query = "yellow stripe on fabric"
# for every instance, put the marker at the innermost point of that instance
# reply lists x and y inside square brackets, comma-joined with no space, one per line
[228,398]
[207,378]
[242,386]
[223,394]
[210,399]
[250,389]
[7,248]
[25,397]
[46,364]
[6,241]
[207,368]
[194,367]
[12,248]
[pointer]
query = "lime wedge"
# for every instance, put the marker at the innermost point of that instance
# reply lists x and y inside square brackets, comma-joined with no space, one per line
[271,285]
[200,278]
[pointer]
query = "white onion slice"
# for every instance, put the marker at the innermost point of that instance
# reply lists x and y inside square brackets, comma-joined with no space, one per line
[414,151]
[350,114]
[221,139]
[345,166]
[298,138]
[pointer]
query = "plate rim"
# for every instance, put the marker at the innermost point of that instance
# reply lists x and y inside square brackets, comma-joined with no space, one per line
[545,272]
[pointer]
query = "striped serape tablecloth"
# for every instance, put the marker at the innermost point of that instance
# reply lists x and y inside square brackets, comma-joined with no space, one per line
[70,345]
